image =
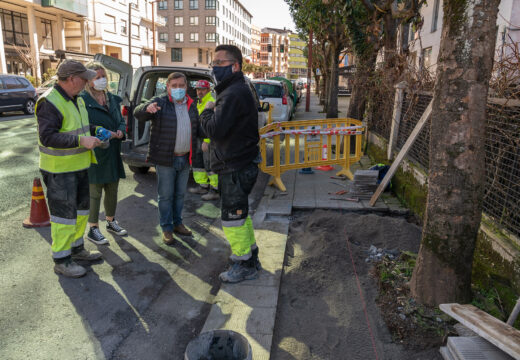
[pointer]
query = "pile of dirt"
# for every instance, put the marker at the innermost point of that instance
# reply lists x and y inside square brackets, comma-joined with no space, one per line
[321,314]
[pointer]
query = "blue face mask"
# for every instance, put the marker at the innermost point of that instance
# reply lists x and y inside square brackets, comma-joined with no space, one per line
[178,93]
[222,72]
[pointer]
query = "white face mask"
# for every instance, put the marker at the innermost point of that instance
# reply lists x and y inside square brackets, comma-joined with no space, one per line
[100,84]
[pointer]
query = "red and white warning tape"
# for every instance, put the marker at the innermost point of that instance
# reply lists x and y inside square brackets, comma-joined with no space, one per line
[346,130]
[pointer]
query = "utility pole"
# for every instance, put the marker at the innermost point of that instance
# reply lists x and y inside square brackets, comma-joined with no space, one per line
[309,66]
[130,33]
[153,34]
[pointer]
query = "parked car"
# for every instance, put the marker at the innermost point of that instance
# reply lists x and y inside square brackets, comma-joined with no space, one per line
[291,92]
[16,93]
[275,93]
[139,87]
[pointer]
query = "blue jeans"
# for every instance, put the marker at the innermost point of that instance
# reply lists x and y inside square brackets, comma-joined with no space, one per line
[172,182]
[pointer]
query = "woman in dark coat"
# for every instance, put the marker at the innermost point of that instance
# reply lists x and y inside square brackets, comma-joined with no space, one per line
[104,109]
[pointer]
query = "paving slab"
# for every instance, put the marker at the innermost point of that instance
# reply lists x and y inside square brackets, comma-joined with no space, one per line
[279,207]
[250,307]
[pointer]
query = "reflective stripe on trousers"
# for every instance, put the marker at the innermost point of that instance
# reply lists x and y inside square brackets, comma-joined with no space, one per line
[67,233]
[241,237]
[201,177]
[213,180]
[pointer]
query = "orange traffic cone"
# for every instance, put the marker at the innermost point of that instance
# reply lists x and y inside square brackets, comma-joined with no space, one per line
[324,158]
[39,214]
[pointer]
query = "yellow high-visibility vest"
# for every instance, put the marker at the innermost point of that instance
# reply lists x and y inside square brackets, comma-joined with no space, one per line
[75,122]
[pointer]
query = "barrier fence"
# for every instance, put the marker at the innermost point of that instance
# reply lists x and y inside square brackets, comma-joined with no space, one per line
[303,146]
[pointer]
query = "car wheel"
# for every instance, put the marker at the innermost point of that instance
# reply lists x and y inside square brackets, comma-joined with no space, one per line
[139,169]
[29,107]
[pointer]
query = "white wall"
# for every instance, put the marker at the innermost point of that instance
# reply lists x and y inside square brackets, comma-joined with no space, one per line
[507,20]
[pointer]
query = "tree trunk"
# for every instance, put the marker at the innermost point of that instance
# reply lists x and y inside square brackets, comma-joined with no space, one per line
[390,26]
[323,88]
[455,186]
[358,99]
[332,108]
[317,82]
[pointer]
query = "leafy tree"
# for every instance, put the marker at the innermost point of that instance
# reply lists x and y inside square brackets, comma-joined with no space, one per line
[329,30]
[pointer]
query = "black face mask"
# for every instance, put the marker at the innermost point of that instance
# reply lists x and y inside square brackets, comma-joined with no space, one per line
[222,72]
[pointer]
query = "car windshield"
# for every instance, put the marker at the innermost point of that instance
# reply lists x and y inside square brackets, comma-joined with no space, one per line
[268,90]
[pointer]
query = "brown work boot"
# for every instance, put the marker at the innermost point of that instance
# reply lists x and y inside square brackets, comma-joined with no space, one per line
[182,230]
[167,238]
[69,269]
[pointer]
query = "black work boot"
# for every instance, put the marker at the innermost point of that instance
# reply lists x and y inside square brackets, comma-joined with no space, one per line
[255,259]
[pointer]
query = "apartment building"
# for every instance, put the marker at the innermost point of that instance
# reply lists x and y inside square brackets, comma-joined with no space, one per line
[115,26]
[424,45]
[195,27]
[297,60]
[274,50]
[36,34]
[255,44]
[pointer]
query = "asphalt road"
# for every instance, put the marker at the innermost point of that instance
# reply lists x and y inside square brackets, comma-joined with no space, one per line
[145,300]
[18,162]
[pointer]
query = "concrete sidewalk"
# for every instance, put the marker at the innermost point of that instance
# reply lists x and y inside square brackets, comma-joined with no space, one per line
[250,307]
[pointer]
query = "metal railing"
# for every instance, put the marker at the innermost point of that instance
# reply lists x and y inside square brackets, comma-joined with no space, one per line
[301,144]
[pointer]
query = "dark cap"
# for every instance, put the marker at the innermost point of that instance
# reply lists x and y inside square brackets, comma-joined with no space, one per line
[75,68]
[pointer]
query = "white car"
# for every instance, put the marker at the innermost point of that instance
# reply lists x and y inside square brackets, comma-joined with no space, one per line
[275,93]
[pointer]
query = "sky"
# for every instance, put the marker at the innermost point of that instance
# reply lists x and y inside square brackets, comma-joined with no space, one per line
[269,13]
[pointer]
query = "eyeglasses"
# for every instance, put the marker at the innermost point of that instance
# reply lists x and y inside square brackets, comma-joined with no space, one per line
[219,62]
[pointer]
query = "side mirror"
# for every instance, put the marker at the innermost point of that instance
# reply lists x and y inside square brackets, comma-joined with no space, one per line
[264,107]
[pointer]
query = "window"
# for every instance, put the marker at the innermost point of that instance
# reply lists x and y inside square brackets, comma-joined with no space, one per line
[194,4]
[15,28]
[211,37]
[136,31]
[176,54]
[47,34]
[435,16]
[194,20]
[178,4]
[211,4]
[194,37]
[110,23]
[163,5]
[178,20]
[12,83]
[427,57]
[211,20]
[123,27]
[200,55]
[163,37]
[179,37]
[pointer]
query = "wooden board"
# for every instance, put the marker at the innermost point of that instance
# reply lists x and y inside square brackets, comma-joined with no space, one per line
[395,165]
[503,336]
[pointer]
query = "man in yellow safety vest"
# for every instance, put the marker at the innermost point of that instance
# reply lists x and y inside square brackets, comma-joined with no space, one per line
[206,179]
[65,141]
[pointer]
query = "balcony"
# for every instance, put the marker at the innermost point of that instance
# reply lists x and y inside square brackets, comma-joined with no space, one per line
[146,15]
[160,47]
[79,7]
